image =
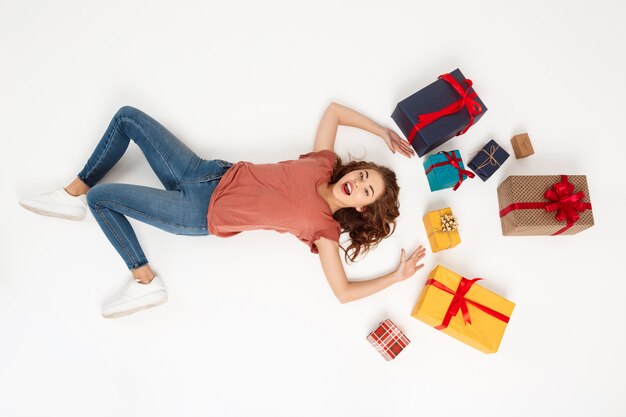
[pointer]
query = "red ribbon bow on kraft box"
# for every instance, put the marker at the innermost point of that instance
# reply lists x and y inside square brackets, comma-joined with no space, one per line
[560,199]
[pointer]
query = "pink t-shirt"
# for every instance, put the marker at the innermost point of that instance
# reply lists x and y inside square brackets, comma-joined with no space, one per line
[281,197]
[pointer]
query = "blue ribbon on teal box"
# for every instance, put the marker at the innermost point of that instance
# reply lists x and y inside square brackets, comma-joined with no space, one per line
[444,176]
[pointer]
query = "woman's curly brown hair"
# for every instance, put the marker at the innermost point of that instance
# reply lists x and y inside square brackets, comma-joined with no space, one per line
[378,221]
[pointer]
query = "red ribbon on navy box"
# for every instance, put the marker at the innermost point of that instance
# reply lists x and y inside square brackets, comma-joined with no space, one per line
[454,161]
[459,302]
[467,100]
[561,200]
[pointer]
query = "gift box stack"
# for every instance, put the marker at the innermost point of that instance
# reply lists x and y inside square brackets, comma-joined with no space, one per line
[529,205]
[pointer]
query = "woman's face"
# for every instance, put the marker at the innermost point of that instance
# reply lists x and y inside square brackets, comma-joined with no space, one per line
[359,188]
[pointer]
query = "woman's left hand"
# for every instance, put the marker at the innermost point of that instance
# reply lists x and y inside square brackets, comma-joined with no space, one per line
[408,266]
[396,143]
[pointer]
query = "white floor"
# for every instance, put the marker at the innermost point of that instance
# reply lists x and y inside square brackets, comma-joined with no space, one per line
[252,328]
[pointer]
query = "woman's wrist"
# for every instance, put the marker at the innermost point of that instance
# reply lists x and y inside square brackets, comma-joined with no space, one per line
[394,277]
[380,131]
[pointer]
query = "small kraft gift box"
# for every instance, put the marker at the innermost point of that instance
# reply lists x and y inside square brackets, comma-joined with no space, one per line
[522,147]
[463,309]
[388,340]
[488,160]
[544,205]
[445,170]
[442,229]
[446,108]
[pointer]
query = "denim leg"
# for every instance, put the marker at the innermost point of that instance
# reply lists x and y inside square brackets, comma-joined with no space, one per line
[166,154]
[172,211]
[181,208]
[180,212]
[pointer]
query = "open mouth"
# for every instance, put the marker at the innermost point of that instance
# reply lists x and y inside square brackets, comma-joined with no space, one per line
[346,188]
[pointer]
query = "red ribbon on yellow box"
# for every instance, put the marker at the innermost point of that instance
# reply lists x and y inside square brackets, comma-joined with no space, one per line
[459,302]
[447,301]
[560,199]
[467,100]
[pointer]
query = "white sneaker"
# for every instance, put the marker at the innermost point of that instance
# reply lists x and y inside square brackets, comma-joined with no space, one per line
[58,203]
[136,297]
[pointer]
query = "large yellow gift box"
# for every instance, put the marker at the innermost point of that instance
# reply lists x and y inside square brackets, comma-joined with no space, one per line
[463,309]
[440,240]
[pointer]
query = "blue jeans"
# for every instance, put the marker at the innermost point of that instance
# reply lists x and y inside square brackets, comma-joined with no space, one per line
[188,179]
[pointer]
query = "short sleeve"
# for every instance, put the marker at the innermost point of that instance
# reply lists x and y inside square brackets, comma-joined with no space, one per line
[325,156]
[332,233]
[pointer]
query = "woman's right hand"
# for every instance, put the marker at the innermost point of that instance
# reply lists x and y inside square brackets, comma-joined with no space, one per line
[396,143]
[409,266]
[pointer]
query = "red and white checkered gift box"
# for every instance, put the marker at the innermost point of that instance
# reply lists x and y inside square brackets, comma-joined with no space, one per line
[388,339]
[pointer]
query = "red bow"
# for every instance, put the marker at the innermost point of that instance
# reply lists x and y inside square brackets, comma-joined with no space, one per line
[459,302]
[566,204]
[467,100]
[454,161]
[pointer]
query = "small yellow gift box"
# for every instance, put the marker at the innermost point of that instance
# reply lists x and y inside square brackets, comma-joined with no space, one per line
[463,309]
[439,239]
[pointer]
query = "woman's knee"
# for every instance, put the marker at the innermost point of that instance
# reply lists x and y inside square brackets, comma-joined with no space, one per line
[127,112]
[98,193]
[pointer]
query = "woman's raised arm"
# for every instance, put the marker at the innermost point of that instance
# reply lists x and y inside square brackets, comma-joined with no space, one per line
[336,115]
[346,291]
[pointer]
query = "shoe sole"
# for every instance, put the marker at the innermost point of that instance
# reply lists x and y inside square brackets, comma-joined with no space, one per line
[124,313]
[51,213]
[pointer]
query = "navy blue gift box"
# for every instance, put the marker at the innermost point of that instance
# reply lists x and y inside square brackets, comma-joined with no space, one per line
[433,98]
[488,160]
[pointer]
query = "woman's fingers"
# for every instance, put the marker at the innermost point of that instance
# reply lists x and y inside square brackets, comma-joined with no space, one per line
[397,144]
[404,147]
[418,253]
[410,150]
[411,263]
[404,143]
[405,152]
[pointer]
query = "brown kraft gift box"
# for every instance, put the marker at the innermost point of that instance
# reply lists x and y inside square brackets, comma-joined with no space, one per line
[522,145]
[537,221]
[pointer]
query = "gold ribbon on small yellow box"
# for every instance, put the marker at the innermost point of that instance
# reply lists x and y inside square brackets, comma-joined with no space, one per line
[486,313]
[442,229]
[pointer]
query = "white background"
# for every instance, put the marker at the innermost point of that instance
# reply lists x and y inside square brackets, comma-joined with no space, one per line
[252,328]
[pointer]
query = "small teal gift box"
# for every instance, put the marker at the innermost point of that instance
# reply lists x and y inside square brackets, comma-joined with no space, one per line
[446,170]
